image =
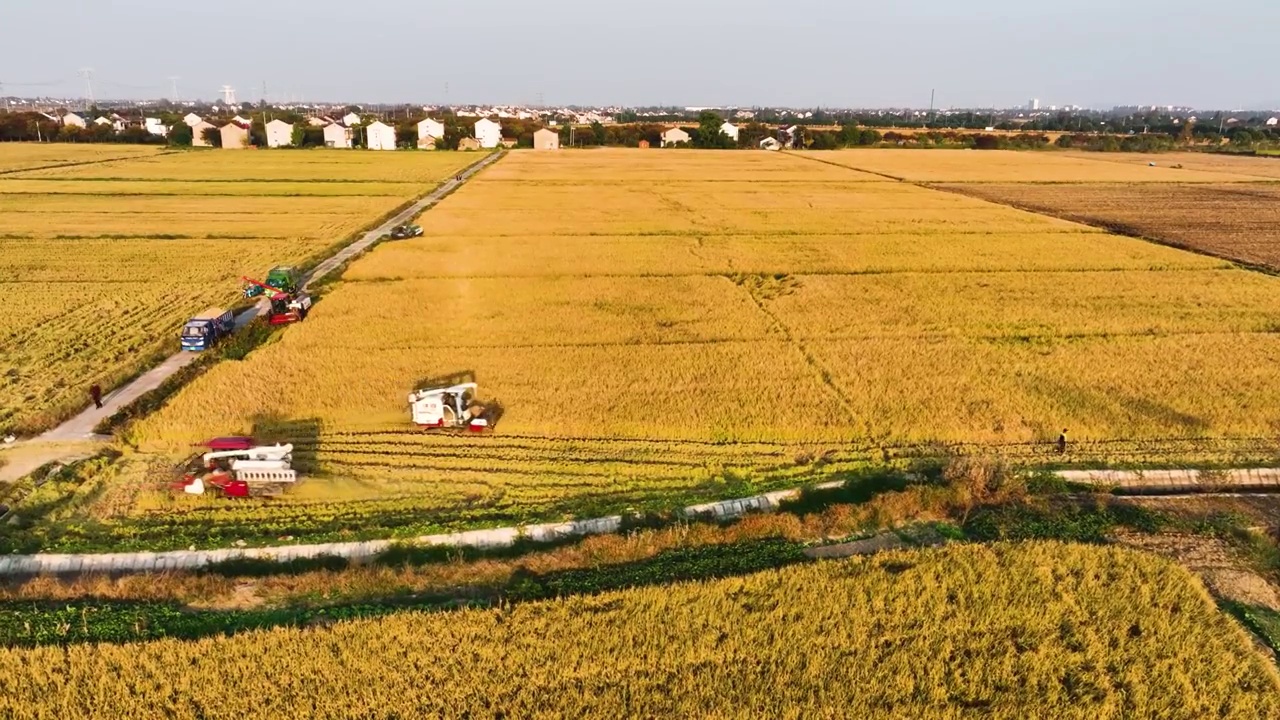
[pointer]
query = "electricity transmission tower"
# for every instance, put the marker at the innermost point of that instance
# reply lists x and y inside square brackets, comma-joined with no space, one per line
[173,88]
[87,74]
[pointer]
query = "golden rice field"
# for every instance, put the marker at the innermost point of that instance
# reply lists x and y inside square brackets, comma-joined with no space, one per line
[1004,631]
[31,156]
[259,166]
[99,275]
[655,342]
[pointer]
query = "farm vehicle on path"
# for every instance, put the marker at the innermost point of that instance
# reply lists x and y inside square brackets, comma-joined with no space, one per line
[401,232]
[286,307]
[285,279]
[204,330]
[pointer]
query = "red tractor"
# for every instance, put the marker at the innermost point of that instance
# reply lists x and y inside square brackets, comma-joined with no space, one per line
[285,307]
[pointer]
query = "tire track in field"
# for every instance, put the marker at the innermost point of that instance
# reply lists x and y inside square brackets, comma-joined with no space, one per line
[824,374]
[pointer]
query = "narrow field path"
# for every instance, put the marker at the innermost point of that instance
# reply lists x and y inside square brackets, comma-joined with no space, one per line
[80,428]
[1129,482]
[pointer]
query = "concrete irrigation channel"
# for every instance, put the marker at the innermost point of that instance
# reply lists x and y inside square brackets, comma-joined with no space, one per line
[1125,482]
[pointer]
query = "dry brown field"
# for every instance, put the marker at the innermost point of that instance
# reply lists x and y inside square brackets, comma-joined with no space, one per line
[987,166]
[1264,168]
[1237,221]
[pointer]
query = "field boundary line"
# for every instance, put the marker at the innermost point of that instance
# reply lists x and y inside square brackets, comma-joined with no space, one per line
[1171,482]
[877,173]
[825,376]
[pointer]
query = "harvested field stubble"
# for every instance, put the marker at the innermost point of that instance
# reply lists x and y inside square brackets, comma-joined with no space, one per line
[1256,167]
[1240,221]
[983,166]
[1020,631]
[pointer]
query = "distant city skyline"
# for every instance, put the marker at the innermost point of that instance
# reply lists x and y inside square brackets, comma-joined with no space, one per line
[993,53]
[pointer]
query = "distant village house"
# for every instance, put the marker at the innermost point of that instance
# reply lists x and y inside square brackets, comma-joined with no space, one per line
[545,139]
[488,133]
[337,136]
[380,136]
[429,131]
[234,136]
[197,134]
[279,134]
[674,136]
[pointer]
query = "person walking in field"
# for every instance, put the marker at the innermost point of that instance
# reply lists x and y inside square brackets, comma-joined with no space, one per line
[1062,442]
[95,392]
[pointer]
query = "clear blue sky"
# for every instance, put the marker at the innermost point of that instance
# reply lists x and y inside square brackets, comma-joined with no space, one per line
[745,52]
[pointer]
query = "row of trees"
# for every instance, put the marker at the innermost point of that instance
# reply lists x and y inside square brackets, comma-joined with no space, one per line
[707,134]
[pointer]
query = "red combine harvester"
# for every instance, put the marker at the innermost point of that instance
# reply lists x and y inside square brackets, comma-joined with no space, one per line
[285,307]
[239,467]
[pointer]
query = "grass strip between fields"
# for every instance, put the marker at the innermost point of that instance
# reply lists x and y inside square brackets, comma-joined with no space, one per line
[322,590]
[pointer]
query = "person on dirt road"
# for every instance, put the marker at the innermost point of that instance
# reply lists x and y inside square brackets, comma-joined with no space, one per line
[95,392]
[1062,442]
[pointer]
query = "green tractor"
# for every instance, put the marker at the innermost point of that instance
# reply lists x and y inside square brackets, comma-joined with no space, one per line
[284,279]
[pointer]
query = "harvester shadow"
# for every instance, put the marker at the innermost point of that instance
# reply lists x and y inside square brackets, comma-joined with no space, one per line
[447,380]
[303,433]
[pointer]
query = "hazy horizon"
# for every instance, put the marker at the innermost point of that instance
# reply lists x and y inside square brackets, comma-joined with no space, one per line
[996,53]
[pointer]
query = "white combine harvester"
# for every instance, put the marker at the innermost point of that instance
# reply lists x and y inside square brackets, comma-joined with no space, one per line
[453,406]
[239,468]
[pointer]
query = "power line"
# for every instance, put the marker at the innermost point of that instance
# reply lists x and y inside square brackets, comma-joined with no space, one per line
[35,84]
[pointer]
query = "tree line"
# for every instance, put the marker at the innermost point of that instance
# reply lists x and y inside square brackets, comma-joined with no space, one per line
[707,134]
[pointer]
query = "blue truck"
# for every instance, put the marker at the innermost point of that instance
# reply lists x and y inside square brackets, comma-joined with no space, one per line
[207,328]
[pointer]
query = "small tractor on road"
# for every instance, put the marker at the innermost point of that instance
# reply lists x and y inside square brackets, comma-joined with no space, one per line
[401,232]
[453,406]
[239,467]
[286,307]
